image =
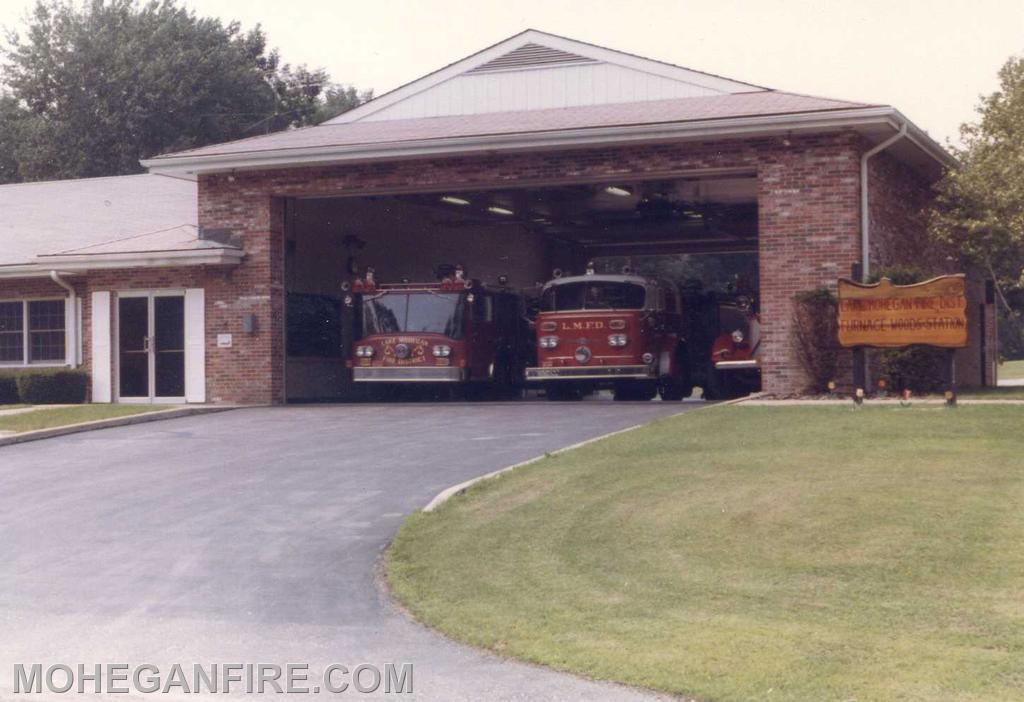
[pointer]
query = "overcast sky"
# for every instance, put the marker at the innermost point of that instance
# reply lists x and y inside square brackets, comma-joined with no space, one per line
[931,59]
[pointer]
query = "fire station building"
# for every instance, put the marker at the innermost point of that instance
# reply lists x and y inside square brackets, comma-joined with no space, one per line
[216,276]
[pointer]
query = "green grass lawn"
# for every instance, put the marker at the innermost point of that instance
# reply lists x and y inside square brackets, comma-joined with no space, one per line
[749,553]
[61,416]
[1011,370]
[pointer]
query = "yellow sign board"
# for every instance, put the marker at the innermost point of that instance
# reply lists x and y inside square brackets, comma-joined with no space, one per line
[932,313]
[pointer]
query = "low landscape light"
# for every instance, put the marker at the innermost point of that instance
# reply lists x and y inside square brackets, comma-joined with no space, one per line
[452,200]
[495,209]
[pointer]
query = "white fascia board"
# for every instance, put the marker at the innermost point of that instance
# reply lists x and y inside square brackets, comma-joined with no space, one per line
[72,264]
[926,143]
[739,127]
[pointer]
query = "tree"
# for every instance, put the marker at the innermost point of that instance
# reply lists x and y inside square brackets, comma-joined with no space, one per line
[980,204]
[341,98]
[105,84]
[11,121]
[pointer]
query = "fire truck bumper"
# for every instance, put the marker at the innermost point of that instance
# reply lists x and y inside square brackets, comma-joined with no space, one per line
[591,373]
[408,375]
[752,364]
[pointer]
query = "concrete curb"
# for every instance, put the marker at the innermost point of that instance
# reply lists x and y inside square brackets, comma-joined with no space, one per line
[448,493]
[141,418]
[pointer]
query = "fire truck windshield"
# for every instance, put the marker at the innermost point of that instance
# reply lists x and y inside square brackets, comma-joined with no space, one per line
[596,295]
[427,312]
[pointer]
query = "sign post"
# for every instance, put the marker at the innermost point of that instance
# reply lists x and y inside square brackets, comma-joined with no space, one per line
[883,315]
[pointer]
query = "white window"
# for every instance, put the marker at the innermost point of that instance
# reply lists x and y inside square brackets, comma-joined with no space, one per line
[32,331]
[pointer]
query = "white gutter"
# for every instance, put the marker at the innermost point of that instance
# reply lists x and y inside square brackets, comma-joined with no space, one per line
[865,218]
[70,264]
[71,315]
[737,127]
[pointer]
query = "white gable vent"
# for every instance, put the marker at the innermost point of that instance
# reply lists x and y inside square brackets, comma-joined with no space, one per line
[531,56]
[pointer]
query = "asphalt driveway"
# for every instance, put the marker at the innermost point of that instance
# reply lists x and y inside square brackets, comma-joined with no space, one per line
[252,536]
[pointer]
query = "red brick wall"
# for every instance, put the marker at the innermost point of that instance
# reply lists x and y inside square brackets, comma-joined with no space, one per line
[809,222]
[242,368]
[808,191]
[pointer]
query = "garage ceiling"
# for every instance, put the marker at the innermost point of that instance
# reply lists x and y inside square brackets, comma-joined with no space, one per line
[676,215]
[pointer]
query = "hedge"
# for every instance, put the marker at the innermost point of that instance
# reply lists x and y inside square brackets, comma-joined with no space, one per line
[44,386]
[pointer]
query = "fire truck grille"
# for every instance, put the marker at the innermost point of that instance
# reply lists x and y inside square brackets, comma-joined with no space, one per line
[586,372]
[408,375]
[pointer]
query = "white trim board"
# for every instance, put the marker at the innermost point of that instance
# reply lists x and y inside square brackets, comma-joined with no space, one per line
[101,347]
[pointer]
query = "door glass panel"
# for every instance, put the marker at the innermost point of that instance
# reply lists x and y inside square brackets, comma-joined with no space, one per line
[133,357]
[169,346]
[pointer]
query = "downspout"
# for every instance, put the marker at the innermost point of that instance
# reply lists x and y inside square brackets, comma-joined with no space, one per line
[71,335]
[865,219]
[865,234]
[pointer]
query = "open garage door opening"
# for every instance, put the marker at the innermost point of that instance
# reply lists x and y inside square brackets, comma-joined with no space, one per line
[696,235]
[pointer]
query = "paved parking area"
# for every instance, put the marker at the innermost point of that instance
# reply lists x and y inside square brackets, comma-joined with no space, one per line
[253,535]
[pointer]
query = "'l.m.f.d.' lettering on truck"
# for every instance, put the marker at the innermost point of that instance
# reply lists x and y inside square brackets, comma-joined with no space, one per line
[623,332]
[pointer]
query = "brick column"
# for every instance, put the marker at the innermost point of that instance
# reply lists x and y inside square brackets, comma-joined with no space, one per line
[252,370]
[808,221]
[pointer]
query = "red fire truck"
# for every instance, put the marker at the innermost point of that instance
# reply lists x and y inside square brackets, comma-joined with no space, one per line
[624,332]
[734,365]
[456,331]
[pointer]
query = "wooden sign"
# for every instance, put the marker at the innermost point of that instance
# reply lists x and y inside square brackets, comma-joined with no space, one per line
[932,313]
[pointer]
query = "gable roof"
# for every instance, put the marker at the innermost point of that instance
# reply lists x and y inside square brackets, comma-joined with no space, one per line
[409,131]
[97,222]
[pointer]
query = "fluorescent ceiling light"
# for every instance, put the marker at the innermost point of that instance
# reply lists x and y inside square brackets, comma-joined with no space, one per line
[614,190]
[500,210]
[452,200]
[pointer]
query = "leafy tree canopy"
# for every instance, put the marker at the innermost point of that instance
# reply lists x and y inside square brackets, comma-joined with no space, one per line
[980,208]
[93,88]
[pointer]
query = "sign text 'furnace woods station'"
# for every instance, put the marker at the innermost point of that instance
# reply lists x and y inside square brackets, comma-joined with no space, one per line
[932,313]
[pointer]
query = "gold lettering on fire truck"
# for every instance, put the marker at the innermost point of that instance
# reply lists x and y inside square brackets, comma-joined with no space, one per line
[583,325]
[417,355]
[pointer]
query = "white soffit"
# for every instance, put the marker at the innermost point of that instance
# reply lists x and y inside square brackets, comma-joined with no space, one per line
[535,70]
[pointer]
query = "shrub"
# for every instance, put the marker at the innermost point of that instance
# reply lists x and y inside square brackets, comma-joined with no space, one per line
[52,386]
[815,336]
[918,368]
[8,390]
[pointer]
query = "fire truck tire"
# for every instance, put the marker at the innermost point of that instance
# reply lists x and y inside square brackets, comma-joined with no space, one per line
[635,392]
[562,393]
[675,392]
[674,389]
[721,386]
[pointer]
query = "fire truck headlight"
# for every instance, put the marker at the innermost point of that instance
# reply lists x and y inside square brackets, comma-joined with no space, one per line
[548,342]
[737,336]
[648,358]
[364,351]
[618,340]
[442,351]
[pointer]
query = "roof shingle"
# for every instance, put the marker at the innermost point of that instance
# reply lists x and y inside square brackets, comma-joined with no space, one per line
[758,103]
